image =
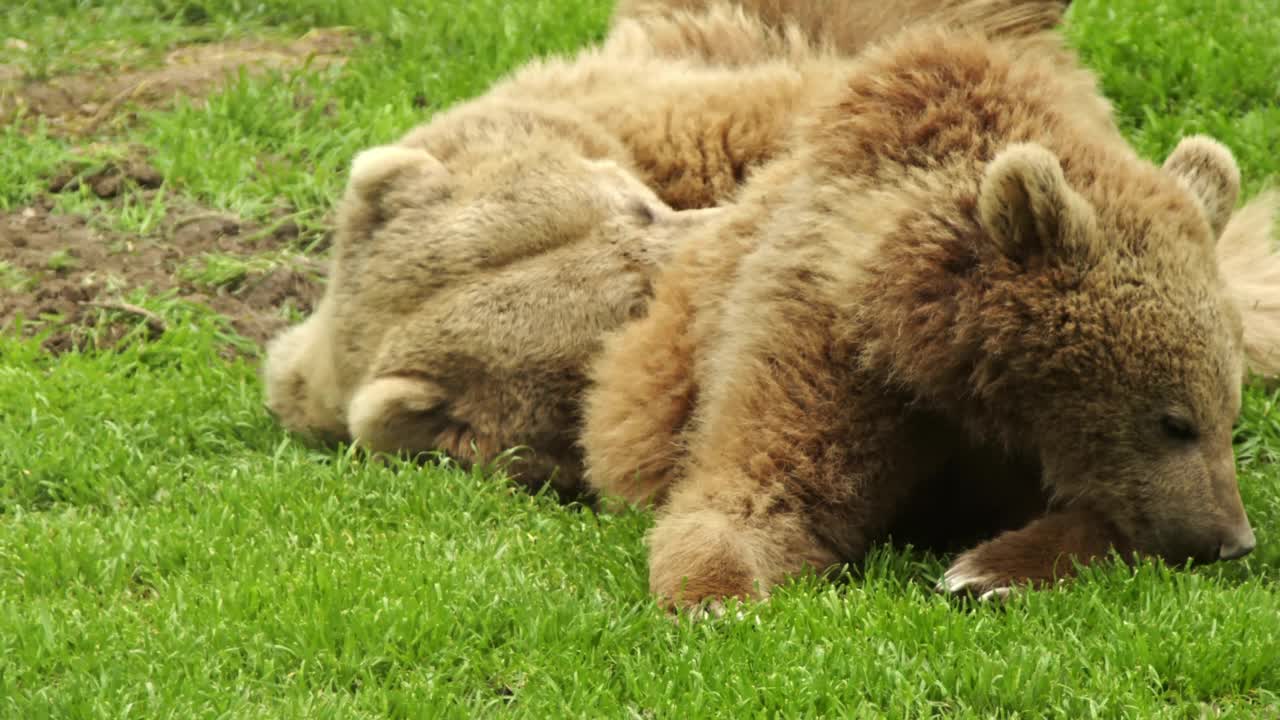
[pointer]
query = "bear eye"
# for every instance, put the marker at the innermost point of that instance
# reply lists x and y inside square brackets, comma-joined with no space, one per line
[1178,428]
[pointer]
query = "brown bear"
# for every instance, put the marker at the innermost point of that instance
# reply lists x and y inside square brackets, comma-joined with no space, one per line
[962,281]
[480,260]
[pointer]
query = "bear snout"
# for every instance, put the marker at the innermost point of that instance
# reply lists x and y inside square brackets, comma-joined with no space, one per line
[1235,535]
[1239,542]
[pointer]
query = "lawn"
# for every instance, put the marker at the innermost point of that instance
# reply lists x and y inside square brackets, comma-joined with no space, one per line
[167,551]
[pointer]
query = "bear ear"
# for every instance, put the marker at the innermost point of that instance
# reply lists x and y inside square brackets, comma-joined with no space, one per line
[376,170]
[1208,170]
[1029,210]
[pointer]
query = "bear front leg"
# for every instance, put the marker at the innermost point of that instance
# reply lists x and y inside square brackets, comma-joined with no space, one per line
[1042,553]
[642,395]
[795,466]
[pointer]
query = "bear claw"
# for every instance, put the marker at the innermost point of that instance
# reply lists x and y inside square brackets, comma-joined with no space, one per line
[997,594]
[963,575]
[711,610]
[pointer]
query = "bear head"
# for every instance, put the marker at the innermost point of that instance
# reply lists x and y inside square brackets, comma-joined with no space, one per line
[470,290]
[1128,347]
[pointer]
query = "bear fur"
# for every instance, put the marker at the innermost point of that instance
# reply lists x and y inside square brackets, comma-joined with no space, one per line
[802,26]
[1247,261]
[480,260]
[962,282]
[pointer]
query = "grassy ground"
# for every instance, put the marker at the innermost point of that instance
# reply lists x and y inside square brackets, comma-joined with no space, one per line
[166,551]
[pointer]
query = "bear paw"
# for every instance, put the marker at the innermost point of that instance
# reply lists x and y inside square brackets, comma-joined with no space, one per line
[968,576]
[1043,553]
[710,611]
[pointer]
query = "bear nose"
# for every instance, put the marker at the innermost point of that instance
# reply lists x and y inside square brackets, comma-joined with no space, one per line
[1241,543]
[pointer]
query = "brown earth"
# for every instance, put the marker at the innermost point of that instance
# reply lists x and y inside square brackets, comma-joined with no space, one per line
[81,104]
[67,275]
[60,271]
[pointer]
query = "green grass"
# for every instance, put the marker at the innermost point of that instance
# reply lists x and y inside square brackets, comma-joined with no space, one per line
[102,36]
[1178,67]
[167,551]
[13,278]
[27,160]
[212,271]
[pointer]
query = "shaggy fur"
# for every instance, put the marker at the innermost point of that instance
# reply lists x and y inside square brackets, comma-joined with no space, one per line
[962,259]
[836,27]
[1247,260]
[481,259]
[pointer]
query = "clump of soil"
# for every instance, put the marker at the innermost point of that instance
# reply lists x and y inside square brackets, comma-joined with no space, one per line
[80,104]
[108,179]
[57,270]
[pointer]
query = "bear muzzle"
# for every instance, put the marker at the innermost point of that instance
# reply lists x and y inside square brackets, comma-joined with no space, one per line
[1239,542]
[1235,534]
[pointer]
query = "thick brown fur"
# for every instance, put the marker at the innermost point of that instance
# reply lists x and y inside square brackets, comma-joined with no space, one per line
[836,27]
[961,258]
[480,260]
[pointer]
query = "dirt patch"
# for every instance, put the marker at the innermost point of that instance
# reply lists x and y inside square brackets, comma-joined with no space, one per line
[81,104]
[106,178]
[58,271]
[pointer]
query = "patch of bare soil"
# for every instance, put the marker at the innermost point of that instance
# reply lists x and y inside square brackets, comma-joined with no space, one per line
[80,104]
[58,270]
[106,179]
